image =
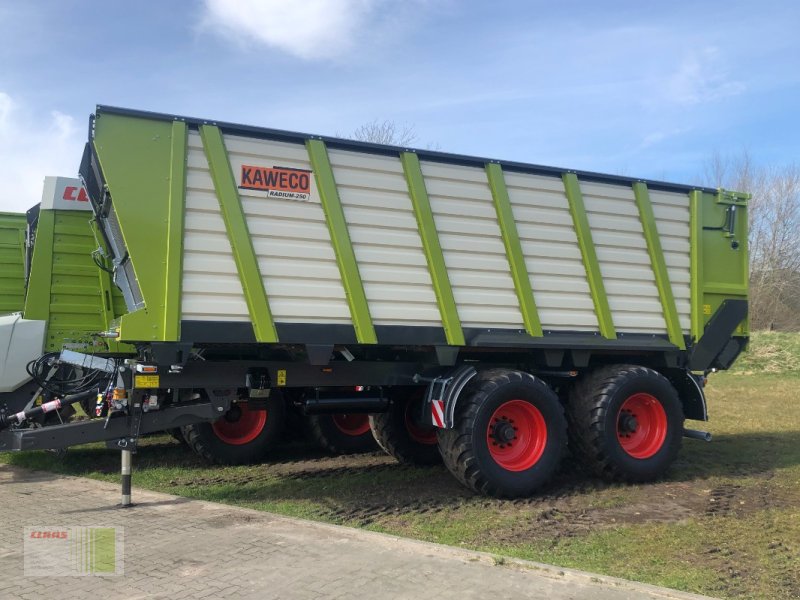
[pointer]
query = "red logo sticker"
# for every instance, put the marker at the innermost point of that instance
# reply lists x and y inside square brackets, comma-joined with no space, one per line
[74,193]
[278,182]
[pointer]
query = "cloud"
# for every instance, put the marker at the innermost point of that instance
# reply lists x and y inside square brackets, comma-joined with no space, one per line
[702,77]
[656,137]
[32,146]
[308,29]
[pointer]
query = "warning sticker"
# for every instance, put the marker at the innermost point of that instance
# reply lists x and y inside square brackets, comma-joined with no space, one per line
[281,377]
[146,381]
[278,182]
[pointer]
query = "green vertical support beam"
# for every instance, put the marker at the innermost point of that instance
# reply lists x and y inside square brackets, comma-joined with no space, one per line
[432,248]
[37,297]
[658,264]
[593,275]
[343,247]
[516,259]
[236,226]
[696,261]
[174,257]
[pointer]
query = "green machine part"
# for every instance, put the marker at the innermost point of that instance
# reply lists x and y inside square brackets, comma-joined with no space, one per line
[67,289]
[12,262]
[151,163]
[719,255]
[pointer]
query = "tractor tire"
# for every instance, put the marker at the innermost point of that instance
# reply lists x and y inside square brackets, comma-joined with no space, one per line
[398,435]
[509,434]
[626,423]
[342,434]
[177,434]
[240,437]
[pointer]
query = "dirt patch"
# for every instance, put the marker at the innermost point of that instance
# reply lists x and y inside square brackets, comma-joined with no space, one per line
[736,569]
[386,492]
[293,469]
[228,520]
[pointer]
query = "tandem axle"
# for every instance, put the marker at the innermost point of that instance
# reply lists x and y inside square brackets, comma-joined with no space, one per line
[522,414]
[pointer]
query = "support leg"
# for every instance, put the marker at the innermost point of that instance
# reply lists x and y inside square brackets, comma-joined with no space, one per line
[126,478]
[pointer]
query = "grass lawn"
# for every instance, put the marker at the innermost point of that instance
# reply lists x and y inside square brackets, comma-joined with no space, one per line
[725,521]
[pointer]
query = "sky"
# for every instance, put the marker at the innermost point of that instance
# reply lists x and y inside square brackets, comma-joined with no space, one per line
[637,88]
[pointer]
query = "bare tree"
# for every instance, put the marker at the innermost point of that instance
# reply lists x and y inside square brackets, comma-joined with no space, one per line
[384,132]
[774,240]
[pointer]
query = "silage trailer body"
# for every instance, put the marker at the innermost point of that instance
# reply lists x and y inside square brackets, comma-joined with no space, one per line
[481,298]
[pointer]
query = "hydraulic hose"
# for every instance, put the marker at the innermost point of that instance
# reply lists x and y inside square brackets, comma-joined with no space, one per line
[46,407]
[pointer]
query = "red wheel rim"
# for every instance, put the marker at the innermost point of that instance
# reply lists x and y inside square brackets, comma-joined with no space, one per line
[641,425]
[421,435]
[240,425]
[516,435]
[353,425]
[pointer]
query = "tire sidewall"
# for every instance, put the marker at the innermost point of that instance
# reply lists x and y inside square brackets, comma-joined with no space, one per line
[520,483]
[659,387]
[391,432]
[336,440]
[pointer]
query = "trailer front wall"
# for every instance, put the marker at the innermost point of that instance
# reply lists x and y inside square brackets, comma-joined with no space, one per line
[65,286]
[381,238]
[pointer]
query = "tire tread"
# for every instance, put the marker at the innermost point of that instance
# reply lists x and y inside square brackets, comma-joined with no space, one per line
[587,416]
[456,444]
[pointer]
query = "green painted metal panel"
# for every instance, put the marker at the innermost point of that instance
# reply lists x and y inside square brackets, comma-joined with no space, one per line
[76,313]
[175,216]
[136,158]
[593,275]
[719,254]
[67,289]
[345,256]
[12,262]
[516,258]
[37,296]
[432,249]
[236,226]
[658,264]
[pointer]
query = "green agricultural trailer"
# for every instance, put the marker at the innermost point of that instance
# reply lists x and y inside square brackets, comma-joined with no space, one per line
[71,298]
[482,312]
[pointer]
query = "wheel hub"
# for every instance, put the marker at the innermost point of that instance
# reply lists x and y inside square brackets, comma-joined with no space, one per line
[628,423]
[516,435]
[642,425]
[504,432]
[234,414]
